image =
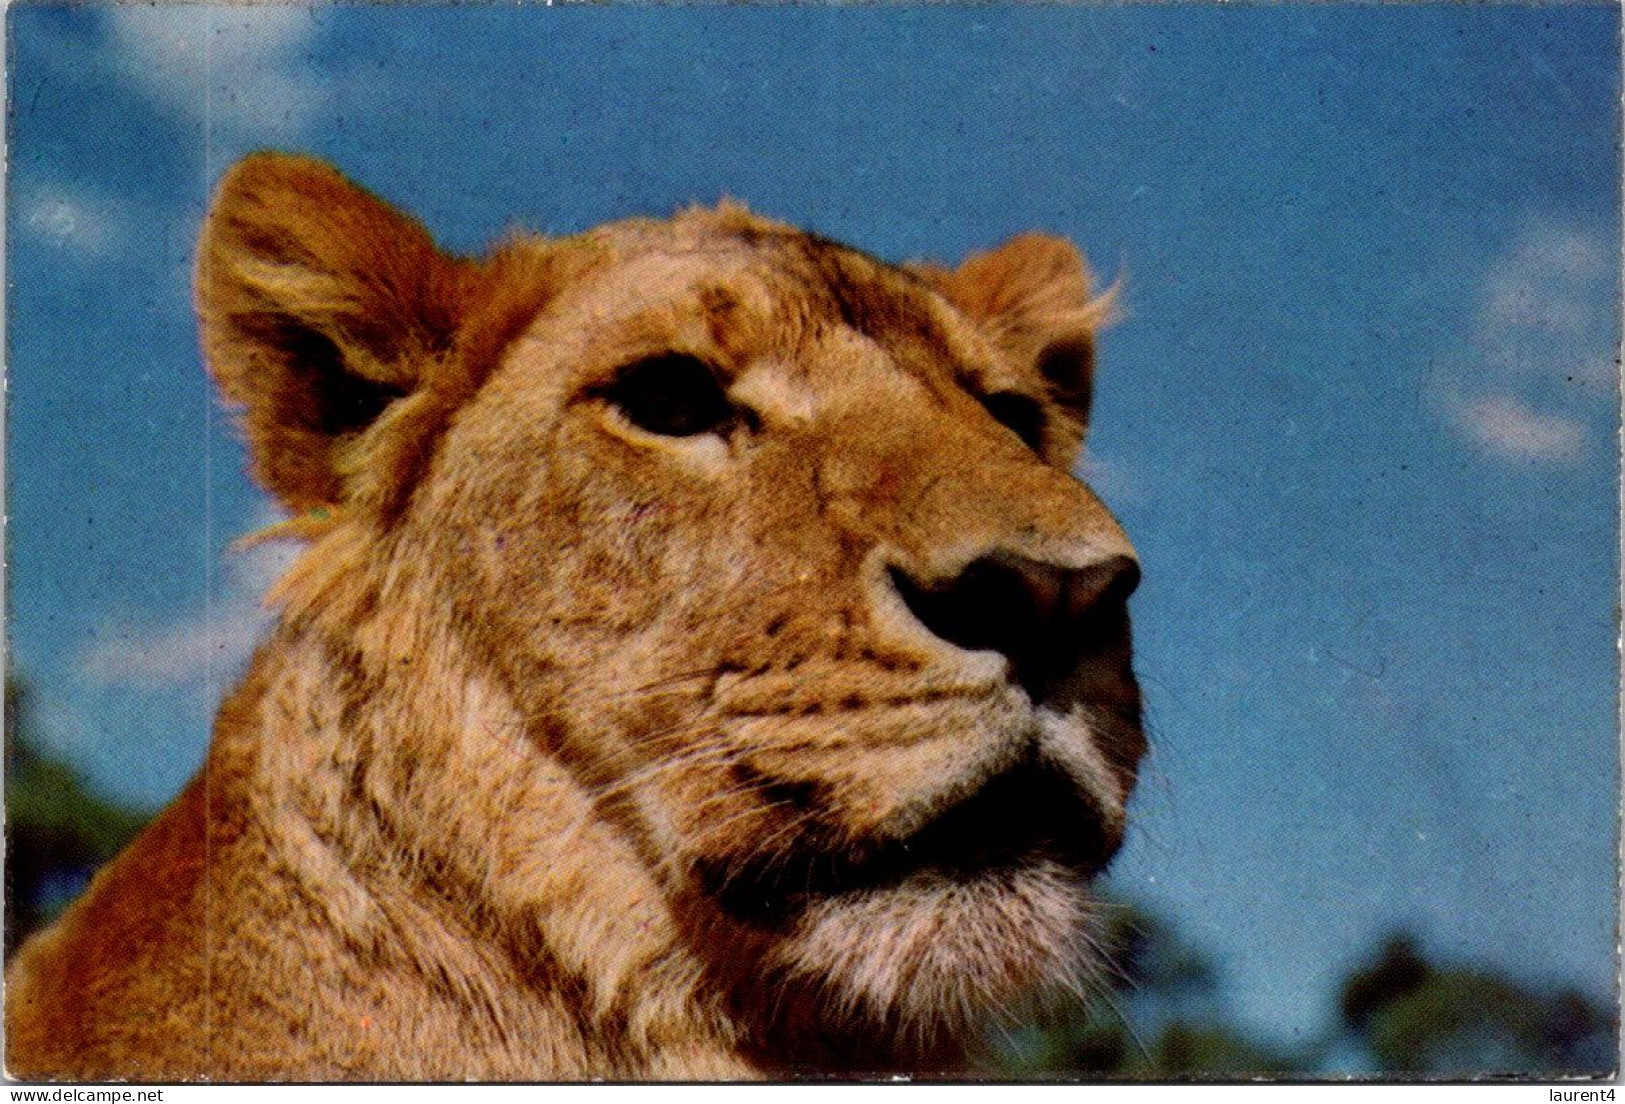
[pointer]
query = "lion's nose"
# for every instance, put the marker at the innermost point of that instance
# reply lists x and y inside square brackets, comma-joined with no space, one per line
[1039,615]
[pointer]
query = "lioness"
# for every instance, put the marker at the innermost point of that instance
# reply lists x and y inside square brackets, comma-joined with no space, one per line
[703,665]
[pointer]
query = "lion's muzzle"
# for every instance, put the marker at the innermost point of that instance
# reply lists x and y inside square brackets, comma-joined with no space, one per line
[1042,616]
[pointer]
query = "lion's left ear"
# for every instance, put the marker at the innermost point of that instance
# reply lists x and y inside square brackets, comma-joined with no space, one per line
[1034,297]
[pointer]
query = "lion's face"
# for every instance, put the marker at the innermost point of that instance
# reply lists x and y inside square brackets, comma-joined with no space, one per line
[776,546]
[780,544]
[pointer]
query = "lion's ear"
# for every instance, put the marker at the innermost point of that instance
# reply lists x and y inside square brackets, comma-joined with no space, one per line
[1033,295]
[319,305]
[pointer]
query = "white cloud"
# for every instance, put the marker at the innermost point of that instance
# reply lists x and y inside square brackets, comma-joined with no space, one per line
[1508,427]
[203,646]
[58,727]
[72,220]
[1112,480]
[1548,306]
[1535,378]
[238,67]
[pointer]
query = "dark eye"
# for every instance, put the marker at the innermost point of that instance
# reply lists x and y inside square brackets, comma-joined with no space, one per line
[1021,414]
[673,395]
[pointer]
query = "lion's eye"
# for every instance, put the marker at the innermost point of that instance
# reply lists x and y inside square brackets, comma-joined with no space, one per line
[1021,414]
[673,395]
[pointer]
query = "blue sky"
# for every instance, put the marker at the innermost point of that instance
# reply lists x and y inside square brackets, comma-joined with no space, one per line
[1360,416]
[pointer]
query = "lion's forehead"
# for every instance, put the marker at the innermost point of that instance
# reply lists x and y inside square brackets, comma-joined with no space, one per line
[746,292]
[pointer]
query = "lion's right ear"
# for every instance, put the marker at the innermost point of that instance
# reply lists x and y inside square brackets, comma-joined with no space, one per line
[319,305]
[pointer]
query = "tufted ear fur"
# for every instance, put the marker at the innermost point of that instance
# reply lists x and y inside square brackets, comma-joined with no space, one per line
[1033,295]
[319,306]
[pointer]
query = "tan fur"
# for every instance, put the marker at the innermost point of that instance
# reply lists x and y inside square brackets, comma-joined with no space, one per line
[547,687]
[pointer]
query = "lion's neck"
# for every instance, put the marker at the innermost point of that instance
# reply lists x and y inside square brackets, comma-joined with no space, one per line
[434,831]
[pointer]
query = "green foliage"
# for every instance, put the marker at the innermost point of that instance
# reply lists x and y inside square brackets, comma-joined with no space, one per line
[45,796]
[1155,1014]
[1398,971]
[1414,1017]
[1160,1015]
[1207,1050]
[57,831]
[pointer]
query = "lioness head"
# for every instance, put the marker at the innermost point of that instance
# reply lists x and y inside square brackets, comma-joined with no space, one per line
[772,546]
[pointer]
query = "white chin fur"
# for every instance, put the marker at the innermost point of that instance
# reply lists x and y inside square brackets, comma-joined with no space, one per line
[935,957]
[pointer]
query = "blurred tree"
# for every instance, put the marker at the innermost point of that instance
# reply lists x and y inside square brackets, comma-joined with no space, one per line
[1158,1014]
[1210,1049]
[1399,970]
[57,832]
[1153,1012]
[1414,1017]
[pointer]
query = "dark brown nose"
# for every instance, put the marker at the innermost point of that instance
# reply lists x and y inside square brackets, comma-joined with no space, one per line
[1040,616]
